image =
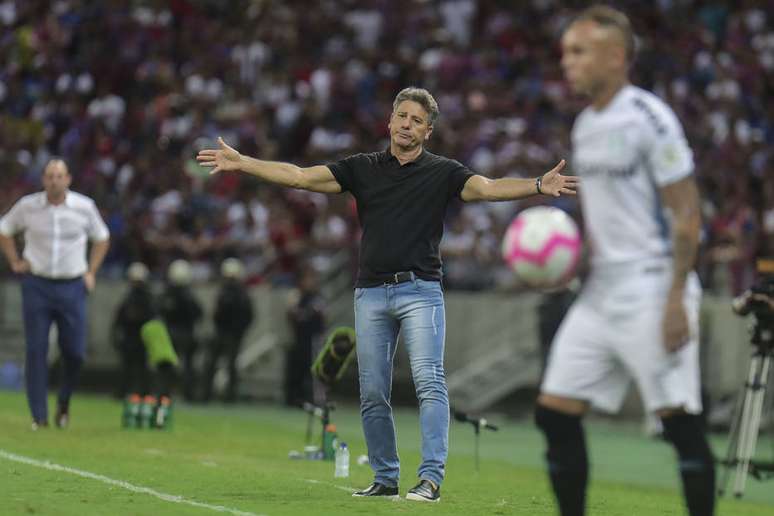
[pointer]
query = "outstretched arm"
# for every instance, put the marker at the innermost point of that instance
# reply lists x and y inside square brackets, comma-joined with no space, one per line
[480,188]
[317,179]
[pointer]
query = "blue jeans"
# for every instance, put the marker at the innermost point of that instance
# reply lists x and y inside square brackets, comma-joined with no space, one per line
[416,307]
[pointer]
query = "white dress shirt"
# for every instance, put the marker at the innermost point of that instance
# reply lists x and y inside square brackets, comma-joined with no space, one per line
[55,236]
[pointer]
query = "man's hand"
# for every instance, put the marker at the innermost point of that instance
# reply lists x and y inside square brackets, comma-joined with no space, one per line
[90,281]
[224,158]
[20,266]
[675,325]
[554,183]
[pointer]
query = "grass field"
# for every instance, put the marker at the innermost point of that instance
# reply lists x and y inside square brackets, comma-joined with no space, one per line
[235,460]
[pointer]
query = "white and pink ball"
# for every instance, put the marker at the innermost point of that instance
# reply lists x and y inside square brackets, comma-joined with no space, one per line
[542,246]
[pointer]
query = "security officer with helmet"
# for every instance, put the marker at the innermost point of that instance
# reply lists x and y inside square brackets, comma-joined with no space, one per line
[181,312]
[233,316]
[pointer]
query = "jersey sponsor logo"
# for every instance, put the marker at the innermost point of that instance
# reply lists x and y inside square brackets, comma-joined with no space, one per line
[616,143]
[670,155]
[650,115]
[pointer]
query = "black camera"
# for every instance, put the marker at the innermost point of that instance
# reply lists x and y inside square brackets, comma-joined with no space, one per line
[741,457]
[759,301]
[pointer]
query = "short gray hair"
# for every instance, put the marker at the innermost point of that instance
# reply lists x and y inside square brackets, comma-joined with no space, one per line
[422,97]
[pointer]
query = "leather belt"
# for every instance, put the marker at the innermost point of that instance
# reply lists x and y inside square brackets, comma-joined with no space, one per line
[400,277]
[57,280]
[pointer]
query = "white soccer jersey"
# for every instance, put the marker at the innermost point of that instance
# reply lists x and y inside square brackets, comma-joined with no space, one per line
[623,154]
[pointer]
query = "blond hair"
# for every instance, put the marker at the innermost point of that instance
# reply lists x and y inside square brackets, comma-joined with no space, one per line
[611,18]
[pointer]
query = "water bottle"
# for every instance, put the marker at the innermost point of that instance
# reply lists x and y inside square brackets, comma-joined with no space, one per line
[328,446]
[342,461]
[163,417]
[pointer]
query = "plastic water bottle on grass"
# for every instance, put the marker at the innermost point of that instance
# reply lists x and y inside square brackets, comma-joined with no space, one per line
[342,461]
[163,417]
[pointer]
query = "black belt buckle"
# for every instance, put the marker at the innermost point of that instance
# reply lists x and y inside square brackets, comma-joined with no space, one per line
[400,277]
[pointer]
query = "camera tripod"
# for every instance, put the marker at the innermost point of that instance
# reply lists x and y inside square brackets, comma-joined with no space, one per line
[749,413]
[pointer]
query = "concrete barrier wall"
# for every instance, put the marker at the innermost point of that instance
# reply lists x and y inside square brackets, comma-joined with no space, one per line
[475,321]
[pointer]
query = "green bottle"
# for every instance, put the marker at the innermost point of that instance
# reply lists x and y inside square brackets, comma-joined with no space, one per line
[131,414]
[329,444]
[147,411]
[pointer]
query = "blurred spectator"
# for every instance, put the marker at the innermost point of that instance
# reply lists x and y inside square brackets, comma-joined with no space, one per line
[733,246]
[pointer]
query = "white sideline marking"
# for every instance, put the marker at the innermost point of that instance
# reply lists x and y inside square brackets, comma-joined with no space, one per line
[120,483]
[347,489]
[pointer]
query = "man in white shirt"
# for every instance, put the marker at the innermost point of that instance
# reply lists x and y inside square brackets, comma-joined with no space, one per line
[637,316]
[56,278]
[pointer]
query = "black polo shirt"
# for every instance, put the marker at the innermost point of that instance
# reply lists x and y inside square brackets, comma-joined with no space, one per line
[401,210]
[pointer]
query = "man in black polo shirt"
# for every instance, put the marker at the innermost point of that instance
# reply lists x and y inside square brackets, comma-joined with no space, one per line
[402,194]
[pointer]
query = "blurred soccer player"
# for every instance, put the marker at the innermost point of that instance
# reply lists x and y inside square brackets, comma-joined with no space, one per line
[402,194]
[637,316]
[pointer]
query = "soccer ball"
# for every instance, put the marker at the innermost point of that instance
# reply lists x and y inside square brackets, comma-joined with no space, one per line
[542,246]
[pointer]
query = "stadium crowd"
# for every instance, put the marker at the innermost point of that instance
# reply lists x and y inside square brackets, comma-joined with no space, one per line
[128,91]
